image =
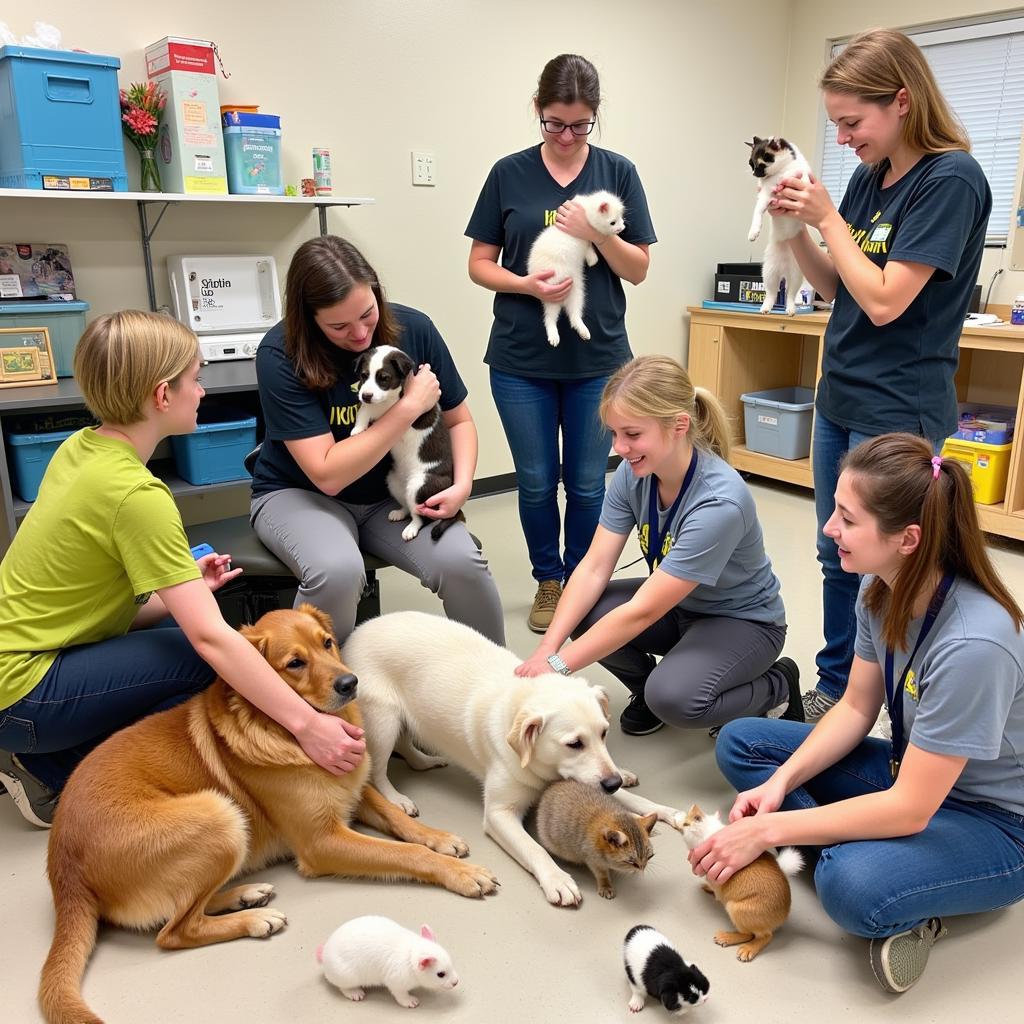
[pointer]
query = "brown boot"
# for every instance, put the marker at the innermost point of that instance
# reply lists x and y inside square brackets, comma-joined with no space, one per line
[544,604]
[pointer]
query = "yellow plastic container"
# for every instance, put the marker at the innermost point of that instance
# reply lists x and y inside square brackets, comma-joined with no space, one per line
[988,466]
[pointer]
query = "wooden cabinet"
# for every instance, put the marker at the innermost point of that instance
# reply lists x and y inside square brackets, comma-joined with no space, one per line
[734,353]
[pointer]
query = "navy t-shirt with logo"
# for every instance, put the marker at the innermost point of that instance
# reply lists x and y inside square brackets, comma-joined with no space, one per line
[900,376]
[293,411]
[519,199]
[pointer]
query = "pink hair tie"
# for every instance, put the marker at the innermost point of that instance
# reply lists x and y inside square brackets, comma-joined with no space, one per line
[936,466]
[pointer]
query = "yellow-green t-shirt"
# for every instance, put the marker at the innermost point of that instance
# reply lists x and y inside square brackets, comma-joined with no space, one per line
[103,534]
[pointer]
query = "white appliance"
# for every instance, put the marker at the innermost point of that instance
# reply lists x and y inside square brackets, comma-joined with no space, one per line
[229,301]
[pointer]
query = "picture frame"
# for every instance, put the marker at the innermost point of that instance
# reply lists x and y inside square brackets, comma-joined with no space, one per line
[26,357]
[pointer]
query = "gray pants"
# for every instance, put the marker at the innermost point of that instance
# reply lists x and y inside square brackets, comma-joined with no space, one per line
[322,539]
[713,669]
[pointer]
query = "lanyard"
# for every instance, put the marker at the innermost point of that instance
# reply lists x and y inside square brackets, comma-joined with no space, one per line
[894,694]
[654,531]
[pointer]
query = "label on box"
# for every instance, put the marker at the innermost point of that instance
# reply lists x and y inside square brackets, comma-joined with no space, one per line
[723,287]
[180,55]
[75,183]
[206,186]
[10,286]
[204,163]
[751,291]
[768,421]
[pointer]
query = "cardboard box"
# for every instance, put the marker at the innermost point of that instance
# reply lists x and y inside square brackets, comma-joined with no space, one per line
[190,149]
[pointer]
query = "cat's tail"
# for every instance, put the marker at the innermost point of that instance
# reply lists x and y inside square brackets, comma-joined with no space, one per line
[442,524]
[790,860]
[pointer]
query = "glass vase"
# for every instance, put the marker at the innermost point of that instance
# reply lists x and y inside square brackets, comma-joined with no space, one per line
[150,171]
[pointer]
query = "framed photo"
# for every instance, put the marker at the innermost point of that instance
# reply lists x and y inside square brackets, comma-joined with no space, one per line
[26,357]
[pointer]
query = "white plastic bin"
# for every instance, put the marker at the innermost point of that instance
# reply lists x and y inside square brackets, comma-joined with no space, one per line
[778,422]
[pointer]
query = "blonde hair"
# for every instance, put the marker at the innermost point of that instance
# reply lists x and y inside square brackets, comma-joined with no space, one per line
[122,357]
[874,67]
[658,387]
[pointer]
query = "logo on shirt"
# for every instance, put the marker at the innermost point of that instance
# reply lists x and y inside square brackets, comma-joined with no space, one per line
[643,533]
[344,415]
[871,241]
[141,599]
[549,217]
[910,687]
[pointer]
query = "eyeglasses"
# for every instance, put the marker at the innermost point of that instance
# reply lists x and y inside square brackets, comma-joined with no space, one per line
[557,127]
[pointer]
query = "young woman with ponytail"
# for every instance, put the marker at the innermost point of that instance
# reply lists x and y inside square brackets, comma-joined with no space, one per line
[710,606]
[931,823]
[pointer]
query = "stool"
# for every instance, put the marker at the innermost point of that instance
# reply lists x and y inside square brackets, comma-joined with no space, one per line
[267,582]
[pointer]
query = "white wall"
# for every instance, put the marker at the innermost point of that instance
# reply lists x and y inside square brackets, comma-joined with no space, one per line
[817,22]
[685,84]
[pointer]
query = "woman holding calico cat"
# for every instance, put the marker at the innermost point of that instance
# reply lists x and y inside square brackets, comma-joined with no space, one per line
[931,823]
[319,494]
[544,392]
[903,253]
[710,606]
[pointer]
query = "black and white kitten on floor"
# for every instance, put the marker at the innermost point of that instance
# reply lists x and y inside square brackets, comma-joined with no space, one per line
[422,455]
[771,160]
[655,968]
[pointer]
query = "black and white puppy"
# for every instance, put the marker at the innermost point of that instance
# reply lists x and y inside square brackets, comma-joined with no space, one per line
[422,455]
[655,968]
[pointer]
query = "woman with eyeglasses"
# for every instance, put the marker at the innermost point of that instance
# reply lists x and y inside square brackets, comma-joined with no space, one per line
[545,394]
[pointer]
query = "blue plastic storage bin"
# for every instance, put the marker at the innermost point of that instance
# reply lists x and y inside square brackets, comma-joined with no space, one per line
[30,455]
[60,119]
[213,453]
[778,422]
[252,151]
[65,322]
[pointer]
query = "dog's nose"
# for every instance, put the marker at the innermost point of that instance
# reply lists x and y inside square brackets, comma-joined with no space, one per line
[612,783]
[345,686]
[366,396]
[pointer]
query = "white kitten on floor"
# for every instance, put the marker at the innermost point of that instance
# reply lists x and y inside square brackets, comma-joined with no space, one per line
[771,160]
[375,951]
[554,249]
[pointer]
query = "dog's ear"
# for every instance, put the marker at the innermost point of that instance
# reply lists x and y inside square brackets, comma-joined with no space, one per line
[602,699]
[320,615]
[522,737]
[256,638]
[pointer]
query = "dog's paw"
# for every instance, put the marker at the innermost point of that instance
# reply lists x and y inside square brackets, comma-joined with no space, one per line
[747,953]
[553,340]
[410,532]
[470,880]
[355,994]
[629,779]
[261,924]
[406,804]
[357,428]
[560,889]
[396,515]
[249,896]
[448,844]
[581,330]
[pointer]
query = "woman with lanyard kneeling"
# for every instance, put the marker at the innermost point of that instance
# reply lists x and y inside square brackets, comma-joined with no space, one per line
[710,605]
[931,824]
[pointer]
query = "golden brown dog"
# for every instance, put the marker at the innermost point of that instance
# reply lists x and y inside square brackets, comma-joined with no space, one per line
[158,818]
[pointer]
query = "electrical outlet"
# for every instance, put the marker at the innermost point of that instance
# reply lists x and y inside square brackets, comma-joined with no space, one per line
[423,169]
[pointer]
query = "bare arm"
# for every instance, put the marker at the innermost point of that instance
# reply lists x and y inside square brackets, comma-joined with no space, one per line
[331,742]
[884,293]
[332,465]
[816,264]
[465,447]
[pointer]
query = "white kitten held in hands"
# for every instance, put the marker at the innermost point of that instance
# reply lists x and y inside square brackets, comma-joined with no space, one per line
[557,250]
[369,952]
[771,160]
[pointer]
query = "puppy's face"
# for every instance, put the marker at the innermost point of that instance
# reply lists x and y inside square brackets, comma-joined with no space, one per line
[560,734]
[684,988]
[381,373]
[300,646]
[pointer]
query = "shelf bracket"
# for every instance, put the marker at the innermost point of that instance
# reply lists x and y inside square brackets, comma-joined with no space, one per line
[147,233]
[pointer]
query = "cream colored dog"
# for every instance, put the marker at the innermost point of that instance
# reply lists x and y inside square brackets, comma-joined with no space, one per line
[455,693]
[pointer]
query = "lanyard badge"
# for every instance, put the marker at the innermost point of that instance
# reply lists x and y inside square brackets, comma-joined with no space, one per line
[655,534]
[894,691]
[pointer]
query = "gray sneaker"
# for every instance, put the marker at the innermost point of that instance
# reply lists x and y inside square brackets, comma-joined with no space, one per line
[36,802]
[816,704]
[899,960]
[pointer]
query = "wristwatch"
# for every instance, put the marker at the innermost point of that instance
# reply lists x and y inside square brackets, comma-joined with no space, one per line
[556,662]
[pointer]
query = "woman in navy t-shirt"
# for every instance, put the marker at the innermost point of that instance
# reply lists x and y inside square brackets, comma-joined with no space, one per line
[319,496]
[542,391]
[904,249]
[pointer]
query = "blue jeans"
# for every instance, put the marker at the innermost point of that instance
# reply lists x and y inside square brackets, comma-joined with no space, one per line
[534,412]
[91,691]
[968,859]
[839,592]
